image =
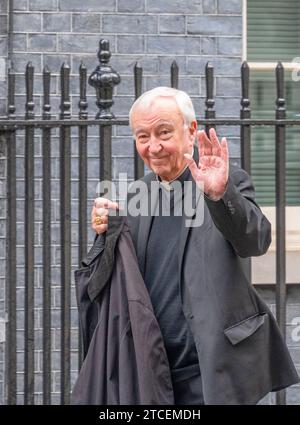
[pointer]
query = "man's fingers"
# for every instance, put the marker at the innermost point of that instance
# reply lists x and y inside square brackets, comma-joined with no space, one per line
[205,145]
[216,147]
[224,149]
[100,228]
[200,144]
[101,211]
[104,219]
[105,203]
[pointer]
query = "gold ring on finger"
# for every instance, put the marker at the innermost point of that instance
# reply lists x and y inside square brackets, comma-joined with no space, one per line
[98,221]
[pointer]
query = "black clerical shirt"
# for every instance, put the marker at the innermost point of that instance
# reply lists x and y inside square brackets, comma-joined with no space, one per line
[162,280]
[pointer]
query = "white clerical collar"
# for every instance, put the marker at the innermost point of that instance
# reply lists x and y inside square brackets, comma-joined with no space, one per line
[167,183]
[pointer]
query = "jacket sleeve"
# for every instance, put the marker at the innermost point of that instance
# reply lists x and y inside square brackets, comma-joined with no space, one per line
[96,249]
[239,218]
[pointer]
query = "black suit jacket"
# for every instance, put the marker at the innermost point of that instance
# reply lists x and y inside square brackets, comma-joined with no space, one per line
[241,352]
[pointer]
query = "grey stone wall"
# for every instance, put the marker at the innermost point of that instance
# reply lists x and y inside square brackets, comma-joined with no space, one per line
[152,32]
[3,54]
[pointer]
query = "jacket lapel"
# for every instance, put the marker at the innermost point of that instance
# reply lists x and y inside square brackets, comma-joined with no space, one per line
[185,229]
[146,220]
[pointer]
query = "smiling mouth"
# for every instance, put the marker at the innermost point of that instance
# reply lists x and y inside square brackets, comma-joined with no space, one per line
[157,159]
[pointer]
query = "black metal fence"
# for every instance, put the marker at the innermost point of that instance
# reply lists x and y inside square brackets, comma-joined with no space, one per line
[104,78]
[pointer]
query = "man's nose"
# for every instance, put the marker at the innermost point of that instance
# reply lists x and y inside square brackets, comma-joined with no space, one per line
[154,145]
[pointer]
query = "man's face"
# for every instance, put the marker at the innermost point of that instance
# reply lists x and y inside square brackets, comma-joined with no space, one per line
[161,137]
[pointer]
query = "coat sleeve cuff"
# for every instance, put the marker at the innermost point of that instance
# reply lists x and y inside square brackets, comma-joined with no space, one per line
[229,195]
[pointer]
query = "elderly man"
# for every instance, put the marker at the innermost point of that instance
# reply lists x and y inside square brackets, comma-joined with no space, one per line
[222,342]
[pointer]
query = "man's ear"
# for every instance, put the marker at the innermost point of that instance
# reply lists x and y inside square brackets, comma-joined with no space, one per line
[193,130]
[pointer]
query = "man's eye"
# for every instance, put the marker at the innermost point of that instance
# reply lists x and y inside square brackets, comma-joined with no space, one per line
[143,138]
[165,133]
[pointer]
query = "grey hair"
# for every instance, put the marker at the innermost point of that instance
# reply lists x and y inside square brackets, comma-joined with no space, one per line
[182,99]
